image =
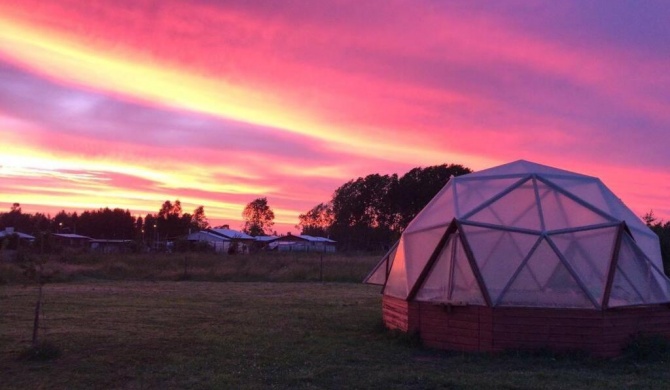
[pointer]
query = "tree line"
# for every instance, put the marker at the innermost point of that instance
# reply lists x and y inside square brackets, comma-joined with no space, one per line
[169,222]
[367,213]
[370,213]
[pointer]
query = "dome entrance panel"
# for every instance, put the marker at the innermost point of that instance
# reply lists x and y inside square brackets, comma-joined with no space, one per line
[414,251]
[498,254]
[544,281]
[451,279]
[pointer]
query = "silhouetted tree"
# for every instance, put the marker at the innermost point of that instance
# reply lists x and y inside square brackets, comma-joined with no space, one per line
[258,217]
[418,186]
[171,222]
[199,219]
[662,230]
[317,221]
[106,224]
[16,218]
[362,212]
[139,229]
[62,222]
[371,212]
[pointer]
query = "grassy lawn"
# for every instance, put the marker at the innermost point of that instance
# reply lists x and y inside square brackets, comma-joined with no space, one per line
[170,334]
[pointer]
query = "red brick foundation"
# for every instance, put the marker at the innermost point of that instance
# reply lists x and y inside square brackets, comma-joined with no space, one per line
[481,328]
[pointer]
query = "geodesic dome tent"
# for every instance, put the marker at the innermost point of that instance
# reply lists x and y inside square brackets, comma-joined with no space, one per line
[525,236]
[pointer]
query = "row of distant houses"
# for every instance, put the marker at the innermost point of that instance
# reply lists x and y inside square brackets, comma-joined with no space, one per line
[75,241]
[222,240]
[219,240]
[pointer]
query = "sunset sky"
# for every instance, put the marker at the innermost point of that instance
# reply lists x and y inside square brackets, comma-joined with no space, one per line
[128,103]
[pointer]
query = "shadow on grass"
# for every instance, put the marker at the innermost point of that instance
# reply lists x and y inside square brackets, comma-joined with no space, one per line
[410,340]
[41,352]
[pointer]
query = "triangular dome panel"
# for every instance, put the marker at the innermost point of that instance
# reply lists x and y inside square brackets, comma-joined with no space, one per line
[521,168]
[589,253]
[592,191]
[419,247]
[436,287]
[396,284]
[623,292]
[438,212]
[589,189]
[544,281]
[471,194]
[414,251]
[451,278]
[648,242]
[518,208]
[636,280]
[498,254]
[464,283]
[561,212]
[381,271]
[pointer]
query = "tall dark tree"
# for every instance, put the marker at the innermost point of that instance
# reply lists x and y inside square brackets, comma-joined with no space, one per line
[106,223]
[139,229]
[317,221]
[362,212]
[39,224]
[372,212]
[150,231]
[418,186]
[662,230]
[16,219]
[258,217]
[171,222]
[63,222]
[199,219]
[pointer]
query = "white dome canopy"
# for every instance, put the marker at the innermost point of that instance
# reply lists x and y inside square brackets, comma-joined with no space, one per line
[524,234]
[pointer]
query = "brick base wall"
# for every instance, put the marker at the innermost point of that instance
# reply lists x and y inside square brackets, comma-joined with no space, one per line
[481,328]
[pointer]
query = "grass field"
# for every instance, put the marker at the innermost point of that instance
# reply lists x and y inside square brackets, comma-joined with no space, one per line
[257,335]
[210,267]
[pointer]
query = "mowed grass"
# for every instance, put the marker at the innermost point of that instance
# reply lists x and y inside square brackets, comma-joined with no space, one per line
[258,335]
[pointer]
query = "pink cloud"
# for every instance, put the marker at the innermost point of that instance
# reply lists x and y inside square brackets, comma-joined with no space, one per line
[394,84]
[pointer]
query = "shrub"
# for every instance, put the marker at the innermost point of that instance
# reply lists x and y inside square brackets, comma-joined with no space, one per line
[647,347]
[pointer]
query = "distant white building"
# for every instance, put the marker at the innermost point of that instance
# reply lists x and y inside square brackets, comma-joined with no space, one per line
[22,236]
[71,240]
[111,246]
[303,243]
[222,240]
[265,239]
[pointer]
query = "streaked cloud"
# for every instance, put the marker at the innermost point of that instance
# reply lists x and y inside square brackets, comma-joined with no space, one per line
[129,103]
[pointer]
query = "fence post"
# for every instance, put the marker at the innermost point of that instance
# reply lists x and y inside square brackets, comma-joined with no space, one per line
[321,267]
